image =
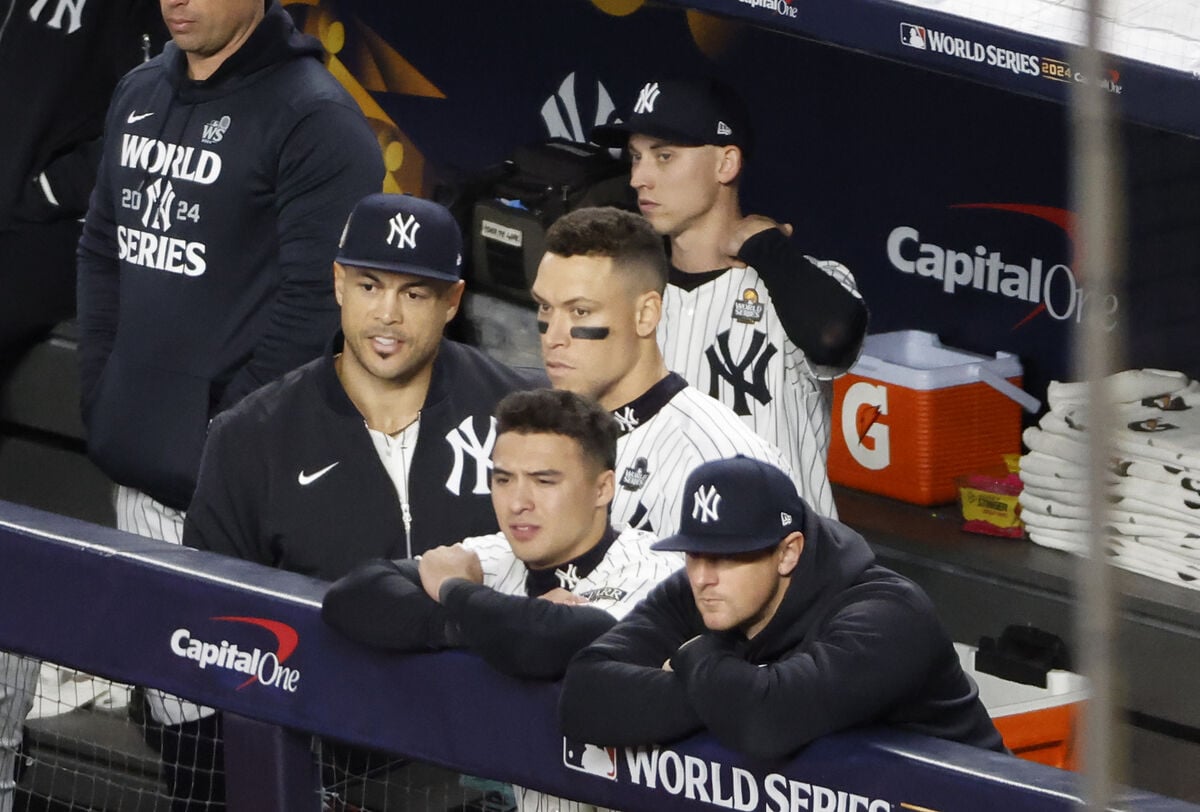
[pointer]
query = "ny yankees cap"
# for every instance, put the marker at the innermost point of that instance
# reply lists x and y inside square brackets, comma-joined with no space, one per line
[403,234]
[687,112]
[733,506]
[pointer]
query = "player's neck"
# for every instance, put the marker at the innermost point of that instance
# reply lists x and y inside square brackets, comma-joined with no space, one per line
[700,246]
[649,370]
[386,405]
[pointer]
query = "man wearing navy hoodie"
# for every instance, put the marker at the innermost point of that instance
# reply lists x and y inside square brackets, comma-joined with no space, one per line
[230,163]
[781,628]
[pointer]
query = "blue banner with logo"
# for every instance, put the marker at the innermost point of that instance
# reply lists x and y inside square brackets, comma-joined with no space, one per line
[249,640]
[935,165]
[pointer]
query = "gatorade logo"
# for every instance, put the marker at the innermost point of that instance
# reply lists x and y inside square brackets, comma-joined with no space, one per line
[868,437]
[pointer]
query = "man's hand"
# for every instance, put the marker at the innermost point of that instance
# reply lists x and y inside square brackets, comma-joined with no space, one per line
[560,595]
[746,228]
[441,563]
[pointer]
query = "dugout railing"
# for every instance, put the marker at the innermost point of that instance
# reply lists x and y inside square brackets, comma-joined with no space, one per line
[249,640]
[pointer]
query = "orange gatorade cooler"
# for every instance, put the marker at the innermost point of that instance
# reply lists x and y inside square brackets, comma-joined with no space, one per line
[1037,724]
[913,415]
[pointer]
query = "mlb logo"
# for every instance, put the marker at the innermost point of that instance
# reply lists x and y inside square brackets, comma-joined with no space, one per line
[913,36]
[590,759]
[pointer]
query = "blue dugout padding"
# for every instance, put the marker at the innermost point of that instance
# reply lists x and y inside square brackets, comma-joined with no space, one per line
[249,640]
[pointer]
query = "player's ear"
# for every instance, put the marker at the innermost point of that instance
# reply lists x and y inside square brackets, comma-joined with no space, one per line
[339,282]
[648,313]
[788,552]
[453,298]
[729,165]
[606,487]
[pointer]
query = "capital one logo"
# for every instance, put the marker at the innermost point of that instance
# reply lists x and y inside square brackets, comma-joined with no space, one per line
[646,98]
[74,7]
[867,439]
[256,664]
[402,233]
[706,504]
[464,442]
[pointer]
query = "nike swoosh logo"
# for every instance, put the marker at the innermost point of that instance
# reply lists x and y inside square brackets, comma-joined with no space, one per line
[136,117]
[308,479]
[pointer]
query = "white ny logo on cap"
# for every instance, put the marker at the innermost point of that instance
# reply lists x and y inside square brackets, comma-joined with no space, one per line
[404,233]
[646,98]
[706,503]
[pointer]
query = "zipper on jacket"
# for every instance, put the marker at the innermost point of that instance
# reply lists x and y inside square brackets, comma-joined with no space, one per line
[404,510]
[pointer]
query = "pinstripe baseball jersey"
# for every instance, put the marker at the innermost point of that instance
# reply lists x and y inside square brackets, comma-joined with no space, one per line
[666,433]
[628,571]
[725,338]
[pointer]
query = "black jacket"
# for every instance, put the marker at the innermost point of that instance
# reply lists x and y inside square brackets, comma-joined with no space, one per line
[251,502]
[851,644]
[205,262]
[57,72]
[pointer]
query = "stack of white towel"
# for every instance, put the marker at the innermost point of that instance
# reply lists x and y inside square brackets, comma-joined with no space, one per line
[1154,528]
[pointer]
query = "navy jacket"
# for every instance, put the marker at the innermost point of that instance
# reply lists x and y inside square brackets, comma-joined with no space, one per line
[852,644]
[260,498]
[204,269]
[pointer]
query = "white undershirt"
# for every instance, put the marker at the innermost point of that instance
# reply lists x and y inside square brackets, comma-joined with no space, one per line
[395,452]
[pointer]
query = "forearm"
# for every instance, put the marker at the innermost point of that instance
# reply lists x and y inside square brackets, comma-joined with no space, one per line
[381,603]
[518,635]
[819,314]
[613,703]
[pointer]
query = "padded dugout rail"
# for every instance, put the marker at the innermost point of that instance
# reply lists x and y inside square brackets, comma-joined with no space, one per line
[249,639]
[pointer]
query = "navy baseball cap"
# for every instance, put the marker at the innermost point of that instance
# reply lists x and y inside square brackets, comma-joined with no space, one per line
[733,506]
[403,234]
[687,112]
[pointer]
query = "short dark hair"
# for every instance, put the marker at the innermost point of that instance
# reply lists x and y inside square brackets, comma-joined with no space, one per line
[606,231]
[558,411]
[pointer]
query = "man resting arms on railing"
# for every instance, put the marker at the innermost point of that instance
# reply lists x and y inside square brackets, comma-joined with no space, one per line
[782,628]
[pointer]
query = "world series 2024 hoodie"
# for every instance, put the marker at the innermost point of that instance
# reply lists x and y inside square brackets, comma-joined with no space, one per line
[204,270]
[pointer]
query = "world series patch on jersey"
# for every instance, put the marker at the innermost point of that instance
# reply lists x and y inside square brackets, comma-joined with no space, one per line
[667,432]
[726,339]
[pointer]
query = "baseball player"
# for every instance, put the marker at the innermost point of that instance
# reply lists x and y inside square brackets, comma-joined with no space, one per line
[780,629]
[317,471]
[746,317]
[599,295]
[527,598]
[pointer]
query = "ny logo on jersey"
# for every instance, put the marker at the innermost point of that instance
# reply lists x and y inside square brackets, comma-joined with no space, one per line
[705,504]
[74,7]
[568,580]
[403,233]
[641,518]
[464,442]
[721,366]
[646,98]
[159,200]
[626,419]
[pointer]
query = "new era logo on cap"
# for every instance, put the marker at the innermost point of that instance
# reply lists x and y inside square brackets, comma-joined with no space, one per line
[737,505]
[382,233]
